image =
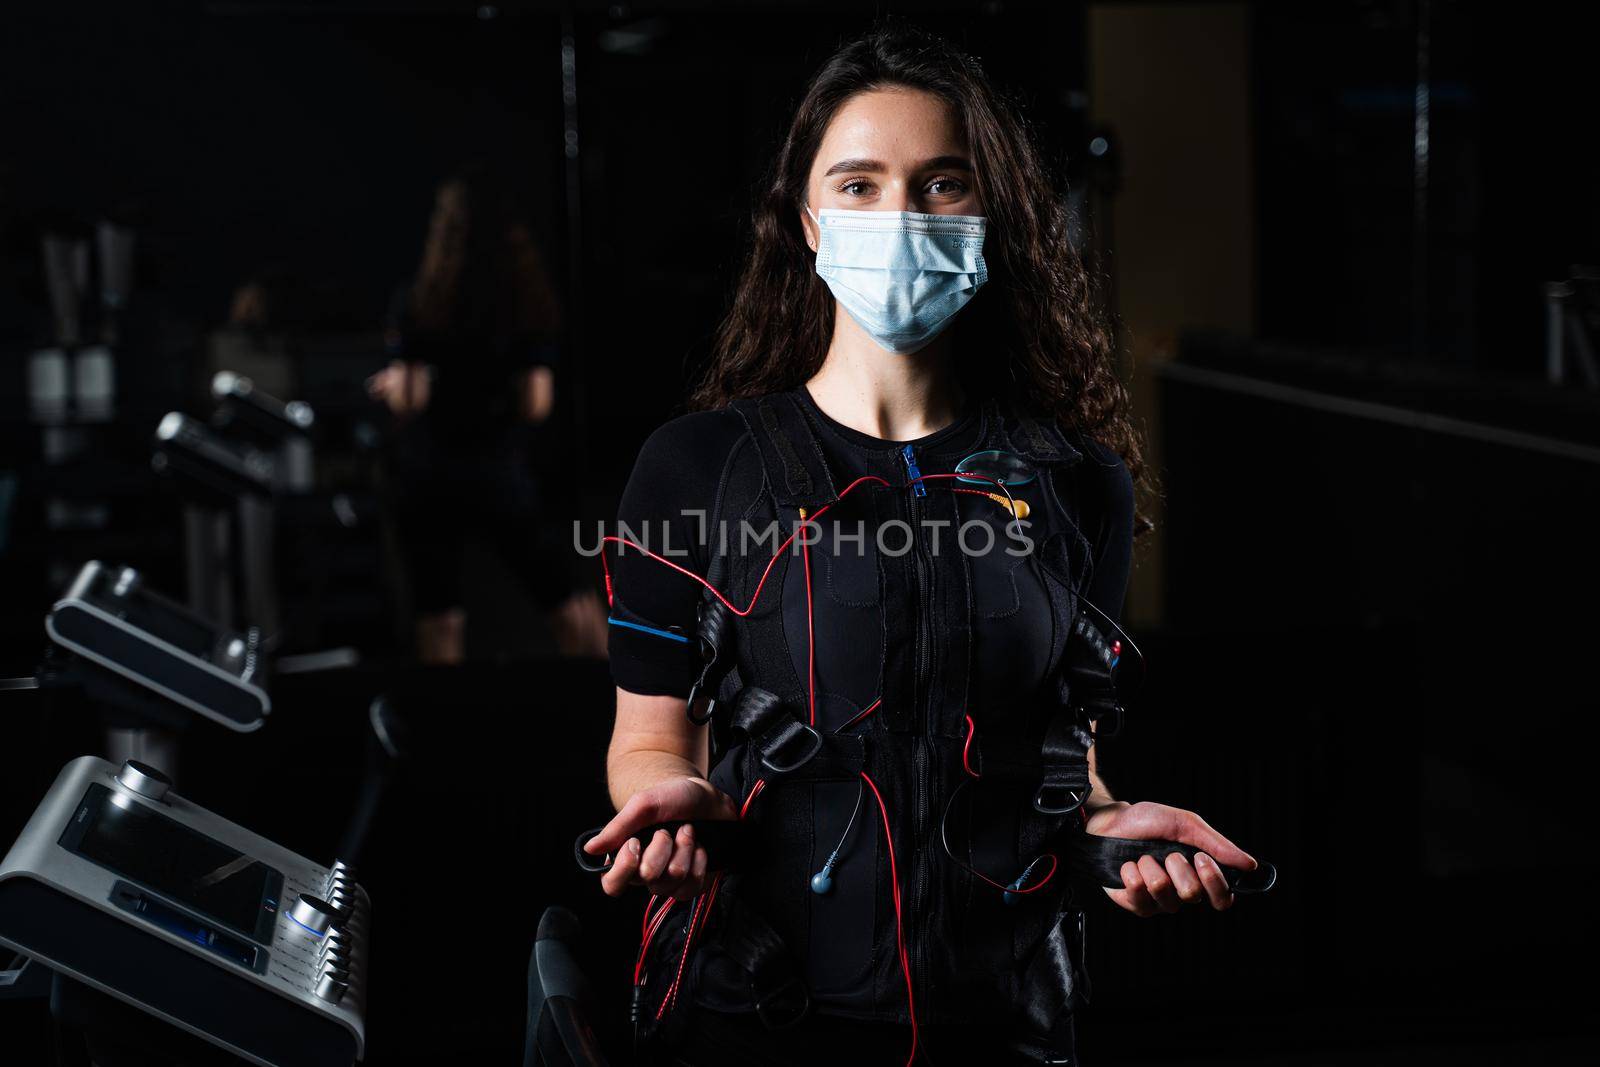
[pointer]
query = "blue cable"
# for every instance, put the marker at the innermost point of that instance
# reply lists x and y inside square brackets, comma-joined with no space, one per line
[614,621]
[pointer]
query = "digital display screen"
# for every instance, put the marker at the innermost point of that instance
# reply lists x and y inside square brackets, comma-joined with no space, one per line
[186,867]
[187,927]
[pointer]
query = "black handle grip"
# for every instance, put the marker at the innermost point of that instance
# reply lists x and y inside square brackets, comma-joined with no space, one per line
[1100,860]
[723,840]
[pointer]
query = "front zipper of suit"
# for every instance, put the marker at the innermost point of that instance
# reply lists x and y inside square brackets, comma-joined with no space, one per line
[922,697]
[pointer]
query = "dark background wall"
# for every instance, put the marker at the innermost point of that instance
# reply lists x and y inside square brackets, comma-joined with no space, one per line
[241,138]
[1500,204]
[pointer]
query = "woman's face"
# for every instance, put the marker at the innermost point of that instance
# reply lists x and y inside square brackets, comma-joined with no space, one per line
[892,150]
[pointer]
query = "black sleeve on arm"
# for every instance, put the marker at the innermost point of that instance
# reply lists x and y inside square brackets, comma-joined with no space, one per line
[1107,487]
[678,471]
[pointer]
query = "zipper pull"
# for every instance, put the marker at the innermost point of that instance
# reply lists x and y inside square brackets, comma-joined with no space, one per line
[909,454]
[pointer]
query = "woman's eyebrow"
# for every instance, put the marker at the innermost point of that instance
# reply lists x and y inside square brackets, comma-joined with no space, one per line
[947,163]
[872,166]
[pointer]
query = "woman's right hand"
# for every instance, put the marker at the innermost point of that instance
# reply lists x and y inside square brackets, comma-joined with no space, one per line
[668,865]
[405,387]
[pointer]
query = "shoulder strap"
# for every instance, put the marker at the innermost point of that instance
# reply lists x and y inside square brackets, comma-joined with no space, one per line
[795,468]
[1037,439]
[794,471]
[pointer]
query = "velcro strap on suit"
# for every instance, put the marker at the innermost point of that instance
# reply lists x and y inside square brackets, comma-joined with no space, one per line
[796,470]
[782,745]
[1052,978]
[781,996]
[715,631]
[1039,441]
[1088,680]
[1064,765]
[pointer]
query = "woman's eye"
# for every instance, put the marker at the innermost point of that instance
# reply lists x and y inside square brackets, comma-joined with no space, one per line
[855,188]
[946,187]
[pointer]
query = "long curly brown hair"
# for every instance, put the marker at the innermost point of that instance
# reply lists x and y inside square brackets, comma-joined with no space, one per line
[1038,316]
[481,269]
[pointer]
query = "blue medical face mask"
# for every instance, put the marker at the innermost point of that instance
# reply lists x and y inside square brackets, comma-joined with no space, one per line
[901,275]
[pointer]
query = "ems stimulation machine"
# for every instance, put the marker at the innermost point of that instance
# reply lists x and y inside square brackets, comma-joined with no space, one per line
[121,884]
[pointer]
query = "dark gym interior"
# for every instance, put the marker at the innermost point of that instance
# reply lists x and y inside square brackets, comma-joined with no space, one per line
[1352,249]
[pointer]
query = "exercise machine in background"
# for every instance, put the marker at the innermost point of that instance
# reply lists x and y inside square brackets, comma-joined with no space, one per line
[148,664]
[230,472]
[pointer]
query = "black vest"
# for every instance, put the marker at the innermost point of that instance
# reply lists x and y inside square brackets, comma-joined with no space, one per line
[973,956]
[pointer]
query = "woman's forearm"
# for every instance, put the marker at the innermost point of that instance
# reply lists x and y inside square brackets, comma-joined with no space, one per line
[635,770]
[1099,794]
[653,741]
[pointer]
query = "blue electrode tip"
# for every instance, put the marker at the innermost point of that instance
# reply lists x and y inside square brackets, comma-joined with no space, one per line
[1010,897]
[822,881]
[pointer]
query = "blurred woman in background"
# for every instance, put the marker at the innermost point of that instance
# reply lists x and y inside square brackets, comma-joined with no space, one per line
[472,378]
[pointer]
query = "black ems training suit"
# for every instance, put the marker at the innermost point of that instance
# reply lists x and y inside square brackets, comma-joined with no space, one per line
[939,666]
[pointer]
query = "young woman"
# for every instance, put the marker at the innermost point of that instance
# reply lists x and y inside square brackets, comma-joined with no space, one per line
[473,340]
[904,725]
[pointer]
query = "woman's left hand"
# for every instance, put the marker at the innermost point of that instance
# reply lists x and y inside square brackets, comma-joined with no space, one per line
[1150,886]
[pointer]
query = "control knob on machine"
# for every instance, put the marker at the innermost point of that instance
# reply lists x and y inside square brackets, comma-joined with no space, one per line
[314,913]
[332,985]
[335,946]
[340,875]
[343,899]
[144,780]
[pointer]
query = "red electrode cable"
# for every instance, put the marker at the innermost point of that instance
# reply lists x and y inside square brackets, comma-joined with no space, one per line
[648,918]
[695,928]
[741,612]
[899,922]
[966,748]
[1034,888]
[966,765]
[761,783]
[868,710]
[649,935]
[699,914]
[686,572]
[672,991]
[811,635]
